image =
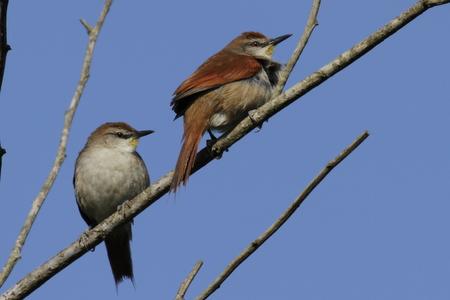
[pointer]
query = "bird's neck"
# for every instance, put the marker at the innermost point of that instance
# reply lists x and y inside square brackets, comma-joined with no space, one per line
[272,69]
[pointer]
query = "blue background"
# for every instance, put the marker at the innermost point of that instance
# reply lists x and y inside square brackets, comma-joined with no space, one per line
[376,228]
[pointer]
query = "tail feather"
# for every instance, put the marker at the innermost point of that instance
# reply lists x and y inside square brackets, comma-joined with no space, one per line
[193,132]
[119,253]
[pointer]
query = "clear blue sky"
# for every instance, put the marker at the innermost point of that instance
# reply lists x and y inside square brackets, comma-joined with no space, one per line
[376,228]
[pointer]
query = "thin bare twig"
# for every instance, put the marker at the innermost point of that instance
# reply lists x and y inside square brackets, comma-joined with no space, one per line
[4,48]
[188,280]
[93,237]
[61,153]
[86,26]
[309,28]
[281,220]
[2,152]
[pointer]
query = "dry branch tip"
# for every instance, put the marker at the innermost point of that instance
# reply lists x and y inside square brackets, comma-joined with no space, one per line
[188,280]
[86,26]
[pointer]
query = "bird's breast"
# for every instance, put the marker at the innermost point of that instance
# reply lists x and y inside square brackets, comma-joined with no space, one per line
[237,98]
[105,178]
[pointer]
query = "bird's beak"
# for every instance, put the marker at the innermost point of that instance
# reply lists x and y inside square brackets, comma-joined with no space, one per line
[277,40]
[143,133]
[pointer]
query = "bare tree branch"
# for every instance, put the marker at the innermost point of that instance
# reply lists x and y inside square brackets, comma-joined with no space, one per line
[4,48]
[86,26]
[131,208]
[61,153]
[188,280]
[281,220]
[310,25]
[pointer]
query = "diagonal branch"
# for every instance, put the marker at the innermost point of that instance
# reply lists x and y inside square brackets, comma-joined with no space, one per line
[188,280]
[282,219]
[132,208]
[61,153]
[310,25]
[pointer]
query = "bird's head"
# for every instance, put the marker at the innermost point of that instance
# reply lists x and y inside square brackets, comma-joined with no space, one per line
[255,44]
[119,136]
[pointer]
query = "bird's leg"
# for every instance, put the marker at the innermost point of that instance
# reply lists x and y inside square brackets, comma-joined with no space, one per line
[212,139]
[210,146]
[210,143]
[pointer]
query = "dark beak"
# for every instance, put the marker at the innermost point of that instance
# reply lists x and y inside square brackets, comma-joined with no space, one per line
[143,133]
[277,40]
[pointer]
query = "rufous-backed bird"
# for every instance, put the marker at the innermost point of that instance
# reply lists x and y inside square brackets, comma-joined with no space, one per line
[221,92]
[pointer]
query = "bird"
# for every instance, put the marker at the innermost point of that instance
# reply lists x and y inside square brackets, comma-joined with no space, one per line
[108,172]
[220,93]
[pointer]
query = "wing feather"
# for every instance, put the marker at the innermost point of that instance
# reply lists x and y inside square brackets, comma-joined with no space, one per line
[222,68]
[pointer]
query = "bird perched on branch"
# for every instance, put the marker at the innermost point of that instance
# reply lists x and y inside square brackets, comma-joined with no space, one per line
[221,92]
[108,172]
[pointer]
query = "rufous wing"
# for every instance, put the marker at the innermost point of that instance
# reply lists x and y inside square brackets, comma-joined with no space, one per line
[222,68]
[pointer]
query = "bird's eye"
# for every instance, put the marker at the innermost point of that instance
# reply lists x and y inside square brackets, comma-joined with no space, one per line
[254,44]
[120,135]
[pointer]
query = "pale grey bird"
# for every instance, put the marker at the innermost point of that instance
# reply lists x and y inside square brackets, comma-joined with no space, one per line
[108,172]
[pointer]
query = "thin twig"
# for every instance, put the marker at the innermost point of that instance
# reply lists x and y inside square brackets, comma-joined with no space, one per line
[2,152]
[253,246]
[86,26]
[61,153]
[309,28]
[93,237]
[188,280]
[4,47]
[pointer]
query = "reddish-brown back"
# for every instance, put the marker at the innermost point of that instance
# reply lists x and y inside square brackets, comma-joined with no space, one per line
[223,67]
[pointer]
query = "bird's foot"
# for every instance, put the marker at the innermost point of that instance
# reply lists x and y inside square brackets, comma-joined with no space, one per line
[123,207]
[83,241]
[213,151]
[211,136]
[210,146]
[252,114]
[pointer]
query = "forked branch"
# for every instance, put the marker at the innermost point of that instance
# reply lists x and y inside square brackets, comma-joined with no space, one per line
[309,28]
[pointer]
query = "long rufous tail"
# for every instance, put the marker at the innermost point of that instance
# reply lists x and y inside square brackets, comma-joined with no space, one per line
[194,128]
[119,253]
